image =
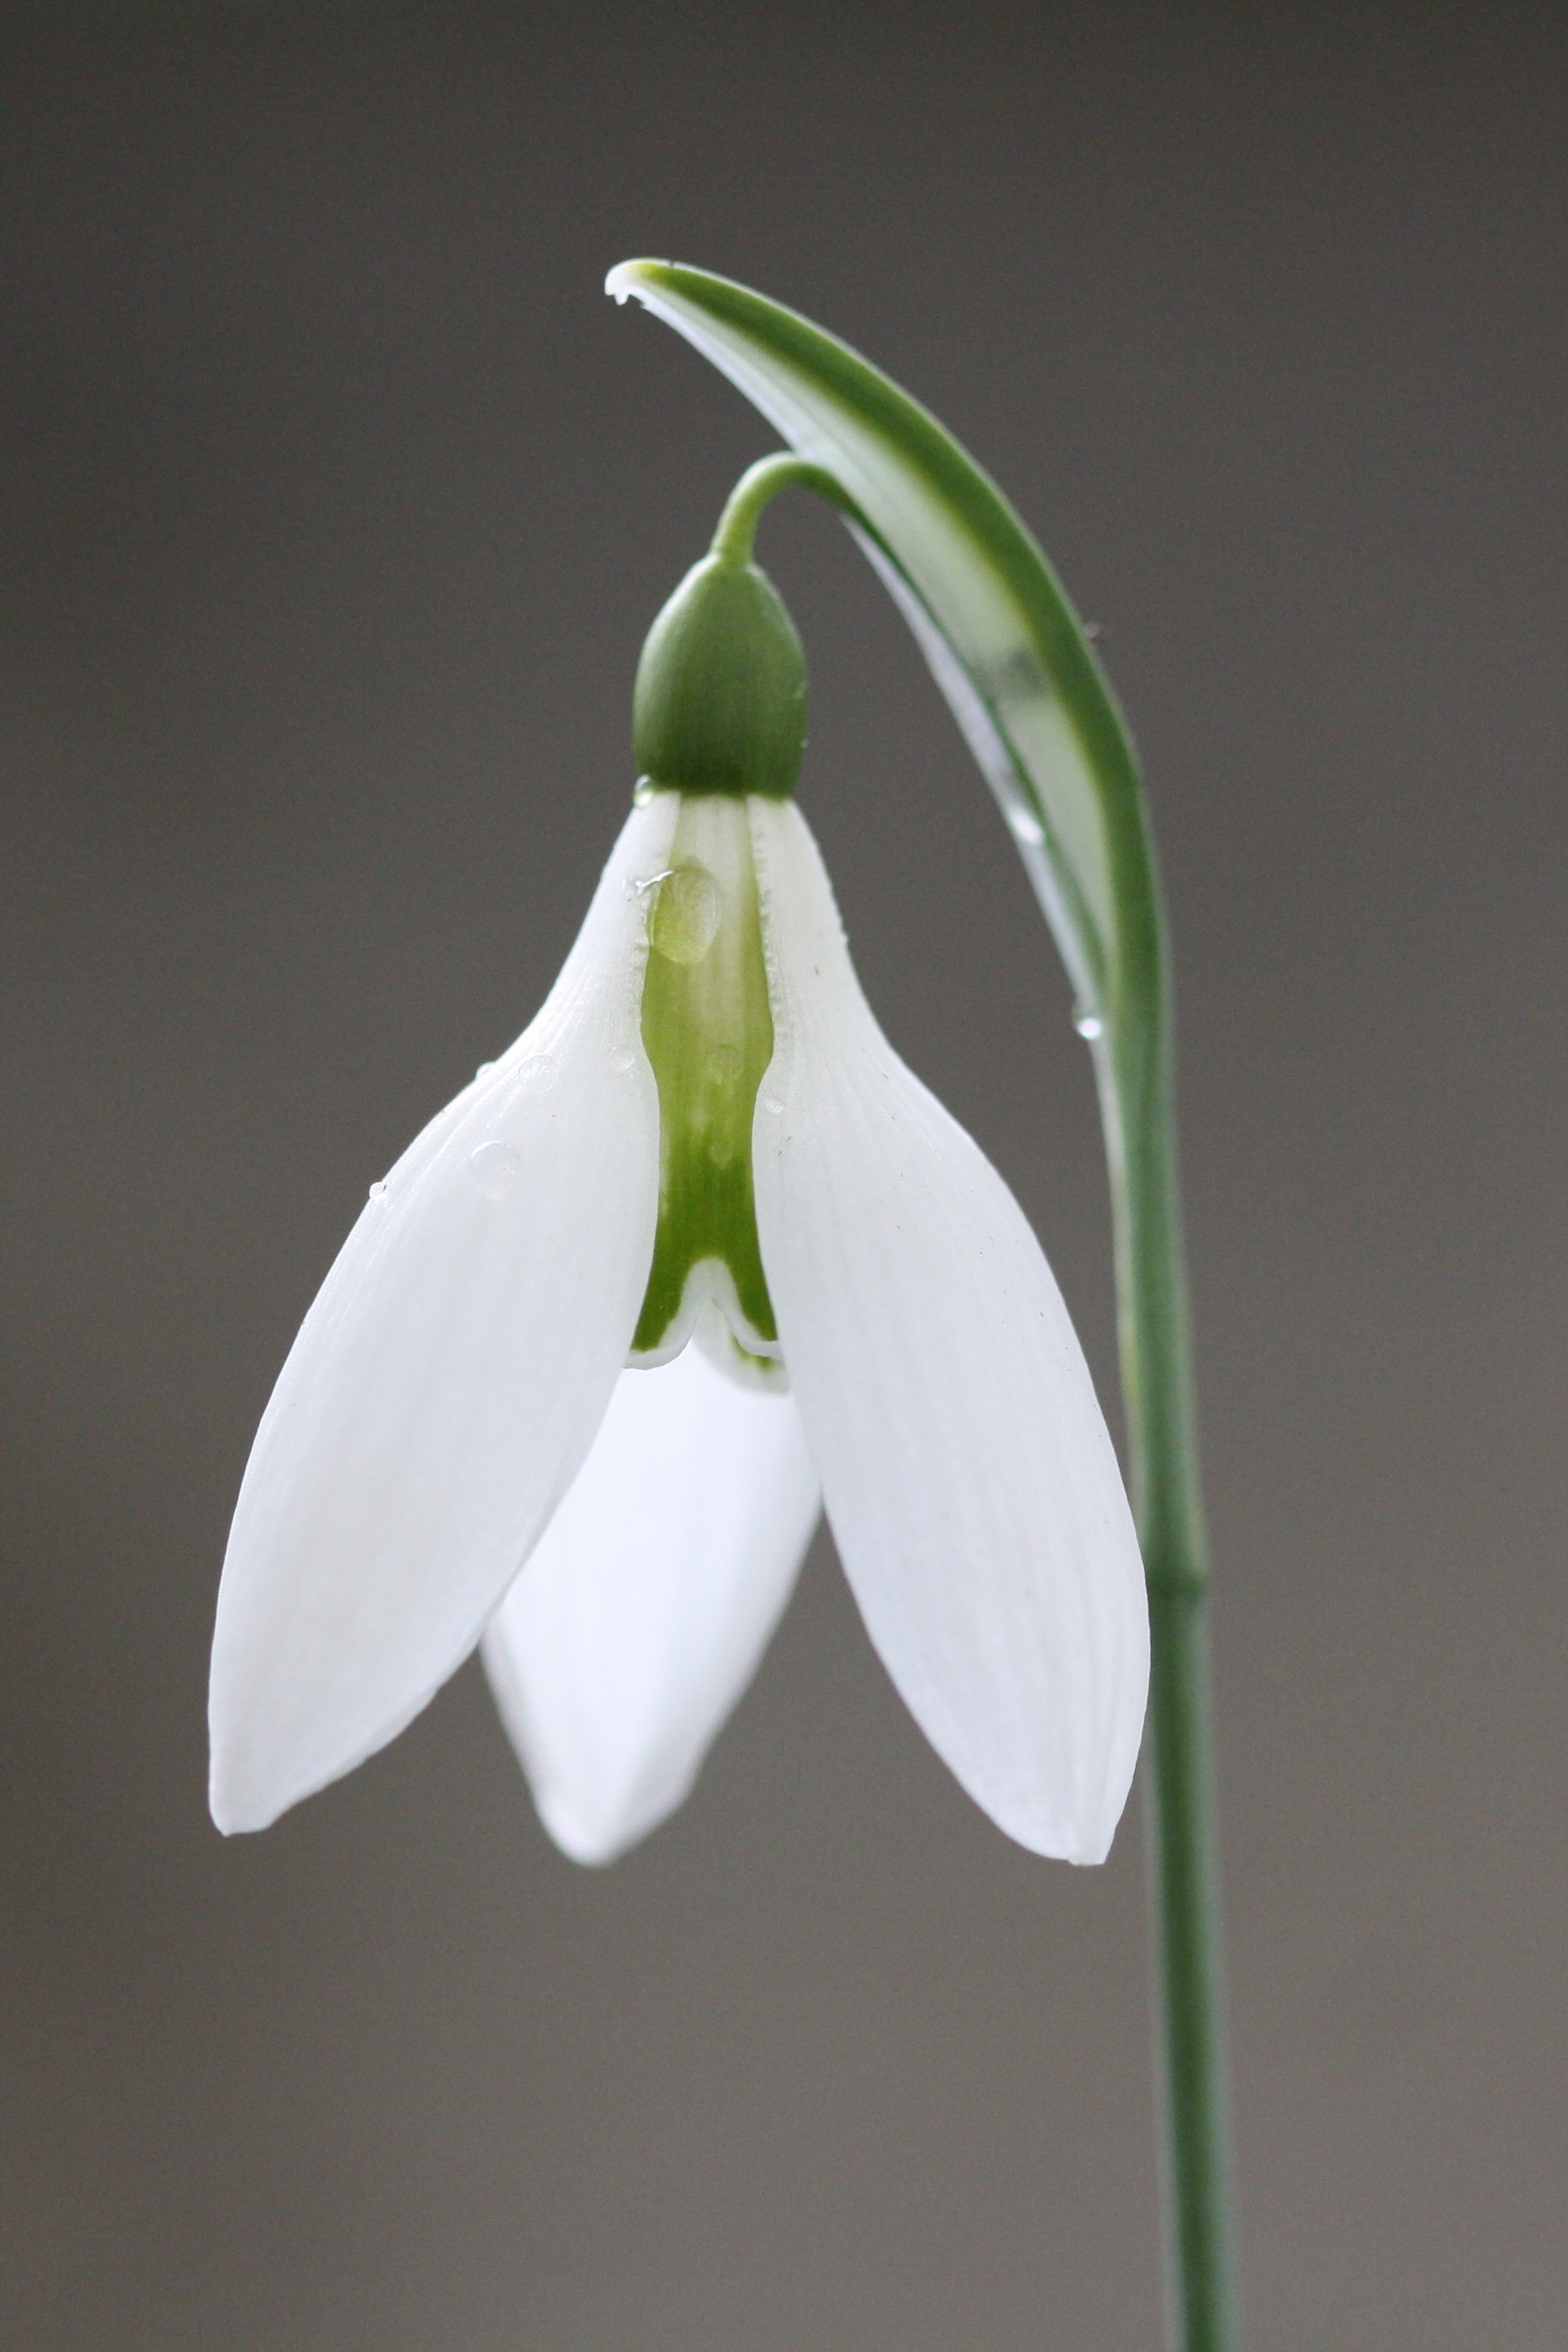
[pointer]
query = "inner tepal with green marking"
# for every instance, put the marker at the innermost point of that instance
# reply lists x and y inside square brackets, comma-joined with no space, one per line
[709,1036]
[718,716]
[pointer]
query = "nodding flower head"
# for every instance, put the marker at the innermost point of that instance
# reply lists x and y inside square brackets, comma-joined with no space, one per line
[697,1255]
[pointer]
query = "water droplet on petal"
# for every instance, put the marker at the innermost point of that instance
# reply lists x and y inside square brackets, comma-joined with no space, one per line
[537,1075]
[1087,1023]
[771,1102]
[686,908]
[494,1166]
[483,1071]
[645,788]
[622,1058]
[378,1191]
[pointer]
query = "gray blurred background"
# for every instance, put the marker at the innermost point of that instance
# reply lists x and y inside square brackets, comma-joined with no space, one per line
[336,502]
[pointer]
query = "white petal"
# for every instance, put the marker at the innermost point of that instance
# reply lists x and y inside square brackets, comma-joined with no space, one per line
[447,1382]
[643,1611]
[970,1480]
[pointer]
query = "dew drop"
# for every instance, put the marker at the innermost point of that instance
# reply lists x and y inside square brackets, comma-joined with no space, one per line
[378,1191]
[724,1065]
[483,1071]
[771,1102]
[537,1075]
[622,1058]
[1087,1023]
[643,790]
[686,908]
[494,1166]
[1025,825]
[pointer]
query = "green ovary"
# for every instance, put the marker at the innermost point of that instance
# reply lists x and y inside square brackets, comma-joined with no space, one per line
[709,1036]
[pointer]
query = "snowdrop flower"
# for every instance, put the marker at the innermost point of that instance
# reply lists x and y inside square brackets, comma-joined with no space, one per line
[696,1254]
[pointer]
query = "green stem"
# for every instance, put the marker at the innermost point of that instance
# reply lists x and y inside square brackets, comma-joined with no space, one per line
[1200,2298]
[1134,1063]
[1137,1103]
[759,485]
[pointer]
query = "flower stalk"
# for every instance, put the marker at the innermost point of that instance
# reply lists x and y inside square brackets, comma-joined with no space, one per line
[1136,1092]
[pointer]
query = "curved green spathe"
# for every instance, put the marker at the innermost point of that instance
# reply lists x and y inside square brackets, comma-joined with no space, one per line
[1001,637]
